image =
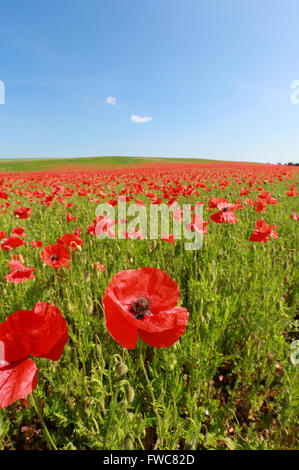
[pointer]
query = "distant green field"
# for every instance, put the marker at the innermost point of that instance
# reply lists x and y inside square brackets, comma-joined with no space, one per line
[40,164]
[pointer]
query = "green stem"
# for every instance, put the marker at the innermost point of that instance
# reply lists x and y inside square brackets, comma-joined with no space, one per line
[154,403]
[47,434]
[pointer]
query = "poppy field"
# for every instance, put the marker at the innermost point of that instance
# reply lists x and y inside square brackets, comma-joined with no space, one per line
[138,343]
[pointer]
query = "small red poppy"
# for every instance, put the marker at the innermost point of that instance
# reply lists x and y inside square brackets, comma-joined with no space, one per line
[11,242]
[226,214]
[144,302]
[36,244]
[69,217]
[19,272]
[40,332]
[71,240]
[263,232]
[23,212]
[99,267]
[56,255]
[19,231]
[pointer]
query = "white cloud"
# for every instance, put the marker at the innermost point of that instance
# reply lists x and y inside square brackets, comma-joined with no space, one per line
[137,118]
[111,100]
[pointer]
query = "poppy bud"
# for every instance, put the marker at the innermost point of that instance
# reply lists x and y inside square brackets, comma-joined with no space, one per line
[128,443]
[172,363]
[130,394]
[121,368]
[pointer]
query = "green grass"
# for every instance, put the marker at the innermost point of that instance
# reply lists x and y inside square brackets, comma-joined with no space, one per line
[227,384]
[40,164]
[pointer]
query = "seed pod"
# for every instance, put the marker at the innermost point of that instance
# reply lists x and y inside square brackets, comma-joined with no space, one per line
[121,368]
[128,443]
[130,394]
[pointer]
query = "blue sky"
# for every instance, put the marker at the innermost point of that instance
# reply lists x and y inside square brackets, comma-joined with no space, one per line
[213,78]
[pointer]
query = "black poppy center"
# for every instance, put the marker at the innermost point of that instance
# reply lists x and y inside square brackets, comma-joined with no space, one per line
[54,258]
[140,307]
[225,209]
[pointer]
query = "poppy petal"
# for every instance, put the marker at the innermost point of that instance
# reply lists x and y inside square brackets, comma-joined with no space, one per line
[41,332]
[153,283]
[167,338]
[17,380]
[49,333]
[120,330]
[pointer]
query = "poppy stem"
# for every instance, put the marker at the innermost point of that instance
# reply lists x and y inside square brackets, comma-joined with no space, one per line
[154,403]
[47,434]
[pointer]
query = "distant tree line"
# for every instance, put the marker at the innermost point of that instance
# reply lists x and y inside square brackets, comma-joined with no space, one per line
[289,163]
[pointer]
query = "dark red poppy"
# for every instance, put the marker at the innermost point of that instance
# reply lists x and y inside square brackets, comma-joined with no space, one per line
[144,302]
[56,255]
[40,332]
[19,272]
[23,212]
[2,234]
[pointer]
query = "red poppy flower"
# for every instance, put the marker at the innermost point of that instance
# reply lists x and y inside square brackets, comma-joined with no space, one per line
[292,191]
[2,234]
[69,217]
[12,242]
[19,272]
[168,239]
[214,201]
[144,302]
[40,332]
[56,255]
[260,205]
[23,212]
[263,232]
[99,267]
[198,225]
[36,244]
[71,240]
[225,215]
[19,231]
